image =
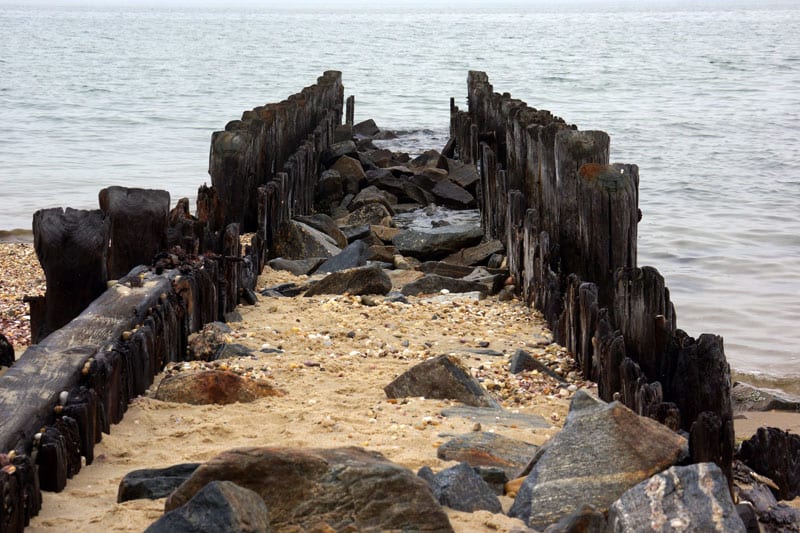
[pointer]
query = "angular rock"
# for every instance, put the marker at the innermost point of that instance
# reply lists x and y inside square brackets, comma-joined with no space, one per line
[325,224]
[218,507]
[429,159]
[586,520]
[337,150]
[283,290]
[206,344]
[463,175]
[776,454]
[461,488]
[343,132]
[453,196]
[370,214]
[772,515]
[430,245]
[682,498]
[444,378]
[373,195]
[203,387]
[352,256]
[295,240]
[385,233]
[475,255]
[330,190]
[353,233]
[445,269]
[153,483]
[745,397]
[349,167]
[335,488]
[492,283]
[382,254]
[366,128]
[355,281]
[481,448]
[418,194]
[522,361]
[298,267]
[233,350]
[431,283]
[602,451]
[6,352]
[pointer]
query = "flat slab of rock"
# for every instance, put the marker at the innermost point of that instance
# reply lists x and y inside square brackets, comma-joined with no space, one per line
[218,507]
[475,255]
[602,451]
[153,483]
[444,378]
[430,245]
[682,498]
[482,448]
[354,281]
[432,283]
[746,397]
[335,488]
[203,387]
[325,224]
[497,417]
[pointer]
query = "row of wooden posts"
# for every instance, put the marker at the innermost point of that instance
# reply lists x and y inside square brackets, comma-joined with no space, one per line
[99,343]
[569,220]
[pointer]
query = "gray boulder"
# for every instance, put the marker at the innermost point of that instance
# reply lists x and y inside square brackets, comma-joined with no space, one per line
[366,128]
[218,507]
[295,240]
[435,245]
[325,224]
[749,398]
[476,255]
[339,489]
[352,256]
[369,214]
[337,150]
[355,281]
[585,520]
[682,498]
[602,451]
[374,195]
[461,488]
[444,378]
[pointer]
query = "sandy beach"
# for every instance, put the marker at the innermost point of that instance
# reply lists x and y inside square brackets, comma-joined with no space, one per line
[335,355]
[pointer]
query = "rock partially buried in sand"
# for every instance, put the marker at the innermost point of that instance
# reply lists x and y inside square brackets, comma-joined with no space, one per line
[602,451]
[461,488]
[444,378]
[220,506]
[202,387]
[341,488]
[355,281]
[489,449]
[153,483]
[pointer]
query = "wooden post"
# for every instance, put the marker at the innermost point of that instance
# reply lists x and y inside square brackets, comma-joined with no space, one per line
[72,247]
[138,226]
[350,110]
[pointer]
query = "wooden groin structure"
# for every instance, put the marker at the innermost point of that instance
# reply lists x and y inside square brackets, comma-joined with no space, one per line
[569,221]
[129,282]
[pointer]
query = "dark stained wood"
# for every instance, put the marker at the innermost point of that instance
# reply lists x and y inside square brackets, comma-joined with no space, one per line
[72,247]
[138,226]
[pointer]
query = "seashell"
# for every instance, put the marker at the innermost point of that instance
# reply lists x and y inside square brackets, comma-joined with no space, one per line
[37,438]
[58,409]
[12,455]
[126,335]
[9,469]
[63,397]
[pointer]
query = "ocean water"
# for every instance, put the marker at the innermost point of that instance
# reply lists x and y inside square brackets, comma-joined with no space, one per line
[704,97]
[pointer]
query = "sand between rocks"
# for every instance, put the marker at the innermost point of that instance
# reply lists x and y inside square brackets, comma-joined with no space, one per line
[338,356]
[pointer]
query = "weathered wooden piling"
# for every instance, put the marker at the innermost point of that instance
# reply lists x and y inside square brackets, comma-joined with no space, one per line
[576,261]
[68,389]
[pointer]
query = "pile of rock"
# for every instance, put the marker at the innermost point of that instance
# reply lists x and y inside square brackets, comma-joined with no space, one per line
[363,192]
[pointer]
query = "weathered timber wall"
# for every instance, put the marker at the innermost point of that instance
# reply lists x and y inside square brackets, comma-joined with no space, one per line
[569,220]
[89,362]
[285,137]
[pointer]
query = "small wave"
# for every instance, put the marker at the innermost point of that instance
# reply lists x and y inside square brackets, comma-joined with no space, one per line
[16,235]
[790,384]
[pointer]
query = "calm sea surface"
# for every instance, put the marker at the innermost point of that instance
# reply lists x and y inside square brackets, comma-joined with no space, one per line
[705,99]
